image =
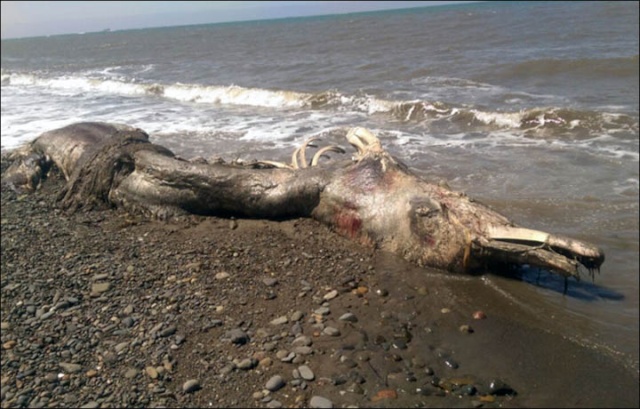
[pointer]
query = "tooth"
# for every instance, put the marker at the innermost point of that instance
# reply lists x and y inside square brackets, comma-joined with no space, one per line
[517,234]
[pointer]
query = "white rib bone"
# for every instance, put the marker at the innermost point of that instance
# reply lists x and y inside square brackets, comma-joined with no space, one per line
[294,159]
[275,164]
[364,141]
[332,148]
[355,141]
[303,149]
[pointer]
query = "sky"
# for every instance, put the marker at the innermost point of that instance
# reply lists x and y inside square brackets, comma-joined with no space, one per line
[40,18]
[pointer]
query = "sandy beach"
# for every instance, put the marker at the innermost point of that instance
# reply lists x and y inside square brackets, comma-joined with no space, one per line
[106,309]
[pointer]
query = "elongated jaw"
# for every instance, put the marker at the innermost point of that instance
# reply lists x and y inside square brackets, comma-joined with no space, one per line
[559,254]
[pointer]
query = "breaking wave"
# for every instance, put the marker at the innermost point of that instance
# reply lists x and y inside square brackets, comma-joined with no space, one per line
[538,121]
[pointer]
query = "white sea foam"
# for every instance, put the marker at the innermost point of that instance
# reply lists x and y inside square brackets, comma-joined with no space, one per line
[109,82]
[174,108]
[234,95]
[502,119]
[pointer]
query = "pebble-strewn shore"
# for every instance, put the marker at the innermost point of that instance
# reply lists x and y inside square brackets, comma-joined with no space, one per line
[104,309]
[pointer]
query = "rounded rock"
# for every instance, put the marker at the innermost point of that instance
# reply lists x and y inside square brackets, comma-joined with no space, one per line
[70,368]
[347,316]
[280,320]
[297,316]
[274,383]
[382,292]
[191,385]
[238,336]
[270,282]
[246,363]
[152,372]
[466,329]
[306,373]
[479,315]
[222,275]
[320,402]
[499,387]
[302,340]
[451,363]
[330,295]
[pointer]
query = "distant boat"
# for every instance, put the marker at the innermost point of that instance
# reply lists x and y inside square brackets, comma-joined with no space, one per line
[106,30]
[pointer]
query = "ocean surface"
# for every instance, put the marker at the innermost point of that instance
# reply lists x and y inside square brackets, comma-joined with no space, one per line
[530,107]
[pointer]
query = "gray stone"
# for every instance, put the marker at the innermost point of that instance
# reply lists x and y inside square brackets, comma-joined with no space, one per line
[227,369]
[51,377]
[303,341]
[121,346]
[70,368]
[296,329]
[99,288]
[306,373]
[167,331]
[331,331]
[274,383]
[280,320]
[297,315]
[290,357]
[303,350]
[191,385]
[131,373]
[348,317]
[322,311]
[330,295]
[238,336]
[47,314]
[320,402]
[246,363]
[270,282]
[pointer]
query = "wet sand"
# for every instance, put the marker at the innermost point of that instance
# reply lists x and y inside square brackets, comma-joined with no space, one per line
[105,309]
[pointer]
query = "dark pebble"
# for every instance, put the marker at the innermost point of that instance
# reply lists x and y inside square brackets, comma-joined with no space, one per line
[238,336]
[498,387]
[128,322]
[167,331]
[451,363]
[399,344]
[430,390]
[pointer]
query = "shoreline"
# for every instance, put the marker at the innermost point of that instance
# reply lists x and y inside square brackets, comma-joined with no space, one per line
[104,309]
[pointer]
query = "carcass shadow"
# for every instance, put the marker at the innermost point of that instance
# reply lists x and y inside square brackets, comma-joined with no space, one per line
[586,288]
